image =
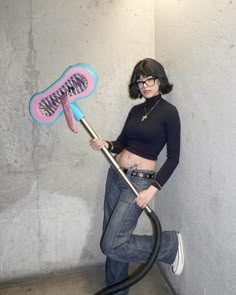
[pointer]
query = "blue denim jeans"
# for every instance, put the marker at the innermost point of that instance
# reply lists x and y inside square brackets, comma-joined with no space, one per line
[118,242]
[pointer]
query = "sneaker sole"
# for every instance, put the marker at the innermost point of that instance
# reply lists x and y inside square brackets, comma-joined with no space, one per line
[181,256]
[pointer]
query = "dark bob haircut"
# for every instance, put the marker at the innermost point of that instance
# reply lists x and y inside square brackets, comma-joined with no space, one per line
[148,67]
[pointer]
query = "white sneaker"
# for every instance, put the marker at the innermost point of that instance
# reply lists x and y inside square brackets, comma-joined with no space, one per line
[178,265]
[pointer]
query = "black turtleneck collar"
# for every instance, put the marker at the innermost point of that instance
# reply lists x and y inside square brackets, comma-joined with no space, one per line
[152,100]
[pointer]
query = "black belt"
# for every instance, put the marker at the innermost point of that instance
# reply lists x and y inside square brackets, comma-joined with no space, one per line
[139,174]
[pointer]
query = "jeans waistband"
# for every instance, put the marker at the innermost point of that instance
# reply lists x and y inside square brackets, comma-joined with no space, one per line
[139,173]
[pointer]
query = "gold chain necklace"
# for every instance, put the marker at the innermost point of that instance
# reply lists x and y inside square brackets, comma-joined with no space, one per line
[147,113]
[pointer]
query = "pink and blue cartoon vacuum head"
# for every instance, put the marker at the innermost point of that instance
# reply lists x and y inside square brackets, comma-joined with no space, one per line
[77,82]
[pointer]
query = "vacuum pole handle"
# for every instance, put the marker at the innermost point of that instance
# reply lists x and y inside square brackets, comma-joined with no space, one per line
[111,159]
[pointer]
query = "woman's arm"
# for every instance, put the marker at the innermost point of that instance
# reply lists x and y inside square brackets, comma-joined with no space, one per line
[172,129]
[113,146]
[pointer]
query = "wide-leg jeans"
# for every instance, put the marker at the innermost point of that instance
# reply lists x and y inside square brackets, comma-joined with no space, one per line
[121,215]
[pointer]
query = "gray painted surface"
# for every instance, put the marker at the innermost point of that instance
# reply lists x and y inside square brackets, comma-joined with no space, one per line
[196,40]
[52,183]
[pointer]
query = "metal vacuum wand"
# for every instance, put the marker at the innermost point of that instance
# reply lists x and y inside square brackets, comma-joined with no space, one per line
[156,226]
[111,159]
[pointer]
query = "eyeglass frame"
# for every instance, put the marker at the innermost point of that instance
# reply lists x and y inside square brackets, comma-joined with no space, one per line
[144,82]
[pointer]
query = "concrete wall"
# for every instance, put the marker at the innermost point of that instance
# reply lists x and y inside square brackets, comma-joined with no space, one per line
[196,41]
[52,184]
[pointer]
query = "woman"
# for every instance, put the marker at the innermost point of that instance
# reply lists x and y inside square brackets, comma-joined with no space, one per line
[148,128]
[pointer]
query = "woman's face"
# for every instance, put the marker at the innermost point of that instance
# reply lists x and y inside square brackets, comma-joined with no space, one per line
[148,86]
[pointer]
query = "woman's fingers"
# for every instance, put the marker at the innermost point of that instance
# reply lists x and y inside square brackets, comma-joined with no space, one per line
[97,143]
[144,197]
[141,202]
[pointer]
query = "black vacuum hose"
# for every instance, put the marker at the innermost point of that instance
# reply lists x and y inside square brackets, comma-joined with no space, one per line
[143,269]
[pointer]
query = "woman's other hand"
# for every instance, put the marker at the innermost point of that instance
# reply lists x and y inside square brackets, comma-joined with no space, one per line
[145,196]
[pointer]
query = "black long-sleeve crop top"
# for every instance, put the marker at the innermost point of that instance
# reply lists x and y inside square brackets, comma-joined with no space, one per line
[148,137]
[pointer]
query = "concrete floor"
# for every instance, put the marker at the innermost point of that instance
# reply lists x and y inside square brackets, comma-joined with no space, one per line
[84,283]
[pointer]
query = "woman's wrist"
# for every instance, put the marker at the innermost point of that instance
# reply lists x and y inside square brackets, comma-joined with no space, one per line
[156,184]
[152,189]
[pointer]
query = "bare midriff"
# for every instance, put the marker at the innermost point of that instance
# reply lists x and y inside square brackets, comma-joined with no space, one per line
[129,160]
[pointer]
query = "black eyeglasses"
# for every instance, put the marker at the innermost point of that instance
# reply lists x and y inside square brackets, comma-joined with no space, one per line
[149,82]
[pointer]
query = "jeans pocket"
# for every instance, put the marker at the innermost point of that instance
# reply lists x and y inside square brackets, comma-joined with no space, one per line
[140,183]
